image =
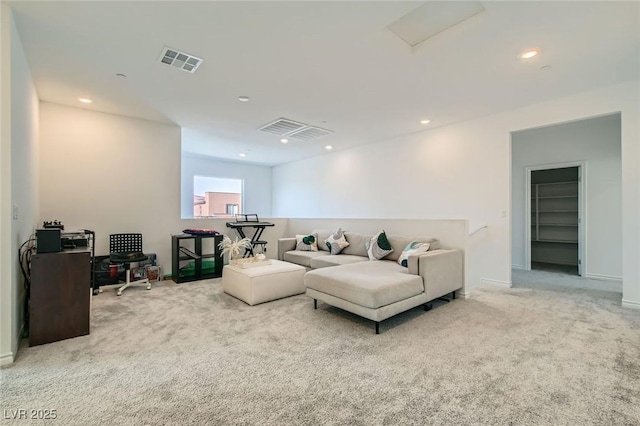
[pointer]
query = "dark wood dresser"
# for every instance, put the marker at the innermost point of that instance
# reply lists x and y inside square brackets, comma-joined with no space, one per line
[60,301]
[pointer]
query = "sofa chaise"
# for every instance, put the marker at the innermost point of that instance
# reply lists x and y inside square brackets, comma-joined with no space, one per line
[376,289]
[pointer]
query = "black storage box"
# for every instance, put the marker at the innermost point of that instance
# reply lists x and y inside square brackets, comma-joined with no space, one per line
[48,240]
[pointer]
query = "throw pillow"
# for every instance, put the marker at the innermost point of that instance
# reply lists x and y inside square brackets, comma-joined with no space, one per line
[336,242]
[379,246]
[307,242]
[412,248]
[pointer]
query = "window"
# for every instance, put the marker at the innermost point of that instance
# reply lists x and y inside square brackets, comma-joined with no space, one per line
[216,197]
[233,209]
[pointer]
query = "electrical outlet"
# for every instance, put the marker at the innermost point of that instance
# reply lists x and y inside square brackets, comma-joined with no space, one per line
[15,212]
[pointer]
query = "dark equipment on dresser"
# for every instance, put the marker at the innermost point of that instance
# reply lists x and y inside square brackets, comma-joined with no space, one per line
[48,240]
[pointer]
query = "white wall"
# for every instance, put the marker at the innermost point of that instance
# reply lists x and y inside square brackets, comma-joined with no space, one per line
[24,158]
[460,171]
[19,180]
[112,174]
[6,260]
[597,142]
[257,182]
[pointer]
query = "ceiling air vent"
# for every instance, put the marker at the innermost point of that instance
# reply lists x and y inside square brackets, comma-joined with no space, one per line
[282,127]
[184,61]
[294,129]
[309,133]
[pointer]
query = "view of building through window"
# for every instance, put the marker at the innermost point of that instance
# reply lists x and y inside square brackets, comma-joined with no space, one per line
[216,197]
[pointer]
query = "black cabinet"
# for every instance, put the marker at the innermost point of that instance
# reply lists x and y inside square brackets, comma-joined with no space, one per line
[201,265]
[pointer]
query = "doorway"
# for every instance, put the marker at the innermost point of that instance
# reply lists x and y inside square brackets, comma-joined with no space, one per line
[555,202]
[590,152]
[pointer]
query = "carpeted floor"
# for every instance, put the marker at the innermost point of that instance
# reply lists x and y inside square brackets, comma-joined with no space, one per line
[190,354]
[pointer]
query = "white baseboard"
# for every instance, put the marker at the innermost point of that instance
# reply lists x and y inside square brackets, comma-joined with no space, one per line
[521,267]
[495,282]
[464,294]
[603,277]
[10,357]
[630,304]
[6,359]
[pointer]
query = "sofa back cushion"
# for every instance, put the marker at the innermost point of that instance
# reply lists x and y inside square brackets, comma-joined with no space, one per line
[323,234]
[356,244]
[399,243]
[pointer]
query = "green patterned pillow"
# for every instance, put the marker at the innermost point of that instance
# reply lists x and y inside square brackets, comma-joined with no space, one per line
[307,242]
[412,248]
[336,242]
[379,246]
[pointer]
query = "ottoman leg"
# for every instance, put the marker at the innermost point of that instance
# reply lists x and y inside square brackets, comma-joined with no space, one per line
[315,304]
[377,327]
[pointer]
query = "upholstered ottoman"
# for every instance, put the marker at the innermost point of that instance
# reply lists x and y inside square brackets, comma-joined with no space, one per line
[263,283]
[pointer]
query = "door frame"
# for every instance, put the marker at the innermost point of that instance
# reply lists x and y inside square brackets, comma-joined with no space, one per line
[582,211]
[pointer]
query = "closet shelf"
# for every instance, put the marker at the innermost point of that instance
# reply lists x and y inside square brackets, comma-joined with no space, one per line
[549,197]
[554,224]
[555,183]
[556,241]
[555,261]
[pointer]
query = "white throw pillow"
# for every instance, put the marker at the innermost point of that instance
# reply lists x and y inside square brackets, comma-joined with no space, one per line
[412,248]
[336,242]
[379,246]
[307,242]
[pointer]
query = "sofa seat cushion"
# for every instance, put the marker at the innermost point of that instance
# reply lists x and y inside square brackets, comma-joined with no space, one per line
[370,284]
[302,258]
[335,260]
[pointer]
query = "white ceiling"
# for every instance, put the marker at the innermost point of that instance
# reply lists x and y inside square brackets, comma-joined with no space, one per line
[330,64]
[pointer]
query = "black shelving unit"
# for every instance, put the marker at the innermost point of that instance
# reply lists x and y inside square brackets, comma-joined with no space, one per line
[180,252]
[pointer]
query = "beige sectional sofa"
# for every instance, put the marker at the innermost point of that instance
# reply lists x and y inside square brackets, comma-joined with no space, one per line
[376,289]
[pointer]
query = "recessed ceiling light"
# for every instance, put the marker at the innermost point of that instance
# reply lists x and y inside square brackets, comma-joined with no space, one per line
[242,154]
[328,147]
[284,140]
[243,98]
[85,100]
[425,121]
[529,54]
